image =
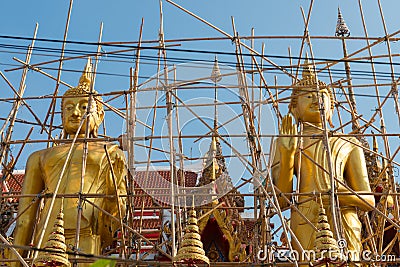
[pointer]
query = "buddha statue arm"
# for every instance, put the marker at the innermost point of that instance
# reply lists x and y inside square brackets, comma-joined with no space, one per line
[33,184]
[120,170]
[356,177]
[283,164]
[109,226]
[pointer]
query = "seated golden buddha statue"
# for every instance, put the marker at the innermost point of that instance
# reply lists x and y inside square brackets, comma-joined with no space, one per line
[311,166]
[44,169]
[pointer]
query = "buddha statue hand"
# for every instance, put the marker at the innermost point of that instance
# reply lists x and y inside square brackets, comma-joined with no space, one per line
[287,144]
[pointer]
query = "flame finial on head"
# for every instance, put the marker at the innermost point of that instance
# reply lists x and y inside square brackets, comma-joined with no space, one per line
[85,80]
[308,70]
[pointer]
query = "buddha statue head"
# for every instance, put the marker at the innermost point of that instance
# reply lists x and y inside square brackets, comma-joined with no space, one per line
[75,103]
[304,101]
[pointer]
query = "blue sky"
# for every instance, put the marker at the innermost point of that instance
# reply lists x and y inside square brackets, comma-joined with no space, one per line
[122,21]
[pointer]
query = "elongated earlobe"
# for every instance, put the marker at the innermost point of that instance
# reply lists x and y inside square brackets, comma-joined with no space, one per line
[295,114]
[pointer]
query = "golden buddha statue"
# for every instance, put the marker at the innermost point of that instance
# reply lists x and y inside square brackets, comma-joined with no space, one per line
[44,169]
[311,165]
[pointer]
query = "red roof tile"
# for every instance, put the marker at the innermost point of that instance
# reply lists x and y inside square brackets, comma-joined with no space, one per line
[147,224]
[156,185]
[14,182]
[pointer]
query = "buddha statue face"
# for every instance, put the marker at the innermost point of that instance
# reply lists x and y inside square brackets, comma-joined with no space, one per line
[75,104]
[307,108]
[74,110]
[304,102]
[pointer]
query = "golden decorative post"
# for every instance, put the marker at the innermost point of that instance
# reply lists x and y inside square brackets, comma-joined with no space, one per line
[191,250]
[55,248]
[325,246]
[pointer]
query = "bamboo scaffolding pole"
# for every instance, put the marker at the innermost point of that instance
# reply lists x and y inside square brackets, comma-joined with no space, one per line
[351,98]
[229,36]
[253,141]
[351,101]
[185,86]
[67,159]
[20,98]
[131,125]
[271,97]
[395,92]
[369,52]
[334,202]
[169,104]
[370,232]
[13,113]
[266,226]
[7,170]
[50,111]
[252,71]
[128,228]
[13,250]
[31,67]
[230,193]
[25,122]
[85,152]
[368,123]
[305,37]
[96,57]
[395,95]
[181,220]
[322,61]
[259,117]
[129,180]
[247,165]
[253,103]
[379,110]
[336,105]
[382,39]
[119,204]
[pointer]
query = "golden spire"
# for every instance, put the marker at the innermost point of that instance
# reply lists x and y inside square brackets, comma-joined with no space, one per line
[325,246]
[308,78]
[191,249]
[214,162]
[215,77]
[55,247]
[86,78]
[85,81]
[308,70]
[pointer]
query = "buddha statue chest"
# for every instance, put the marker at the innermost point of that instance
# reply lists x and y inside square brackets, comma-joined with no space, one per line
[53,160]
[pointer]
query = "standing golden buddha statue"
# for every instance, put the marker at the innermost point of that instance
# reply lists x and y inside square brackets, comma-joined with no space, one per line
[311,165]
[44,169]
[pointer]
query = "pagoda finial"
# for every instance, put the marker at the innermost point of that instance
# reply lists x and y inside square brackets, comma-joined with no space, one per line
[55,247]
[191,250]
[325,246]
[215,73]
[341,28]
